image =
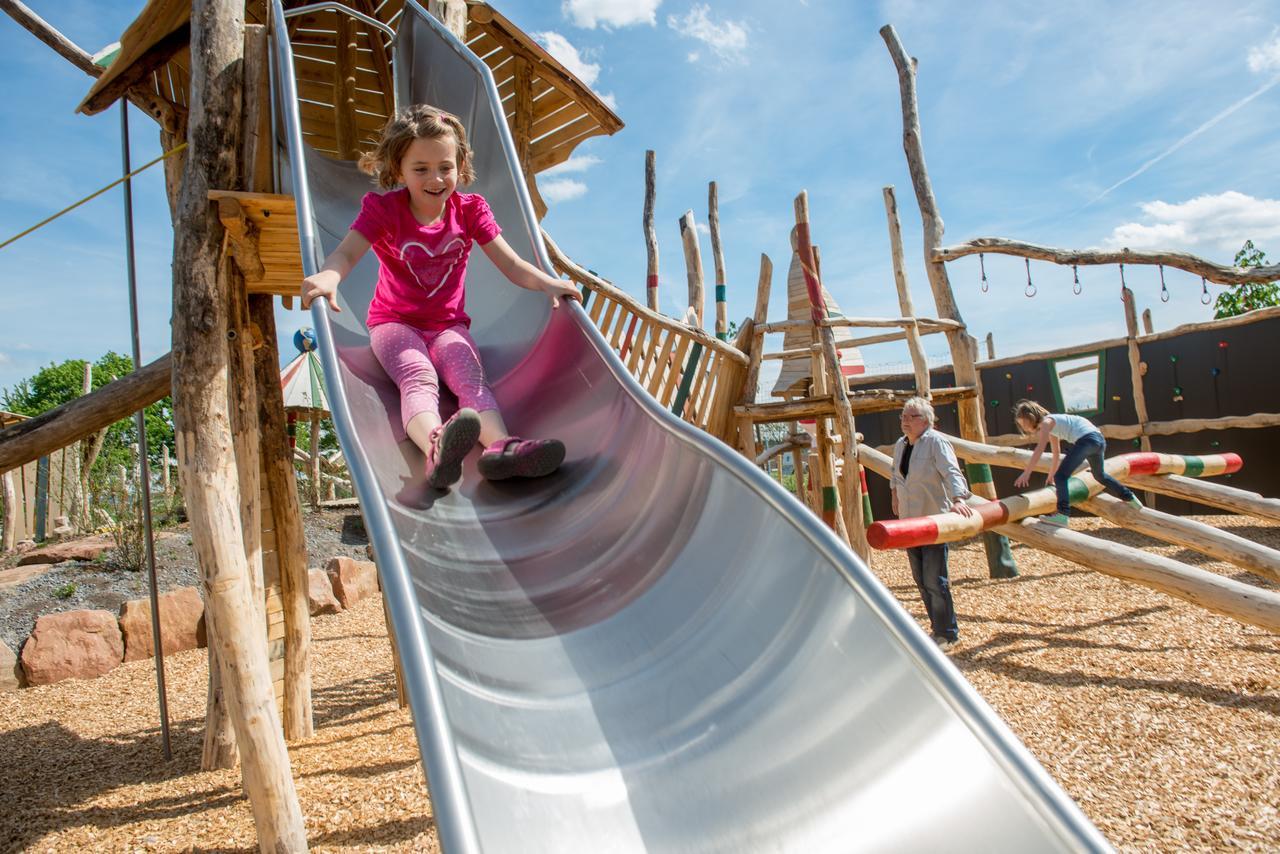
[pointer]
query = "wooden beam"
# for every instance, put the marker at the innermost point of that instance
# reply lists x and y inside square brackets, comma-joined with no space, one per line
[1211,494]
[82,417]
[1217,273]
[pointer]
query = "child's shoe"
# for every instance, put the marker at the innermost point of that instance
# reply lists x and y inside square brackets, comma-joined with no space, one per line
[1134,502]
[516,457]
[1057,520]
[450,444]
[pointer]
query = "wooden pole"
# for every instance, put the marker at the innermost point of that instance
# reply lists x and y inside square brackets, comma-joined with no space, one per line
[693,265]
[713,220]
[1137,370]
[203,427]
[313,464]
[286,519]
[1000,563]
[9,539]
[1146,321]
[650,232]
[836,387]
[453,14]
[919,363]
[746,432]
[165,483]
[991,345]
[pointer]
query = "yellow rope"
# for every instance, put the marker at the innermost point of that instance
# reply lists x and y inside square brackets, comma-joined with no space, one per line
[70,208]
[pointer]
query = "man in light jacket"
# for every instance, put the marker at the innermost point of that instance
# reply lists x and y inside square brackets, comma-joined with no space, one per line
[927,480]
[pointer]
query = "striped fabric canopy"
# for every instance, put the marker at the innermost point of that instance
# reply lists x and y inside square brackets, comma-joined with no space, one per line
[302,381]
[794,379]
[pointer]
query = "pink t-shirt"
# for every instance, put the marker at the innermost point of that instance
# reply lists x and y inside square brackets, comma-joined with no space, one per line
[424,267]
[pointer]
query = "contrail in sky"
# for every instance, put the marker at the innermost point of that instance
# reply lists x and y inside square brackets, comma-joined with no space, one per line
[1195,133]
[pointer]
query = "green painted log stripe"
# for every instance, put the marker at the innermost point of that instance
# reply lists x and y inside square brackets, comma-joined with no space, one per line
[978,472]
[695,353]
[828,498]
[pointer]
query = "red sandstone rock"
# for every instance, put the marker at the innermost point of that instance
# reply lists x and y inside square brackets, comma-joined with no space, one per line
[320,593]
[17,575]
[72,645]
[181,624]
[352,580]
[86,549]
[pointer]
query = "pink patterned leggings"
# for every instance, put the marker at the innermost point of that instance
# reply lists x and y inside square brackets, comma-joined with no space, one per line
[412,357]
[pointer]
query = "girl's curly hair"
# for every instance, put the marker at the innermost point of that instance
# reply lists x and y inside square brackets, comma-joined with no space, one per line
[421,121]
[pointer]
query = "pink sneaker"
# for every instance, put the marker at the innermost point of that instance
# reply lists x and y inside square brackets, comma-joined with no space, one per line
[516,457]
[450,444]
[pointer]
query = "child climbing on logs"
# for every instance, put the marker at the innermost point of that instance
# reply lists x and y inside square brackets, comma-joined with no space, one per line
[1087,442]
[422,229]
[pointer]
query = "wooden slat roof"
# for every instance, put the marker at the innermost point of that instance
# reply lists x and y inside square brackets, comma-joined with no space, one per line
[563,113]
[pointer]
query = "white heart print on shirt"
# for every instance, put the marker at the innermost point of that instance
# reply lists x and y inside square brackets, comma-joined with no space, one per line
[425,264]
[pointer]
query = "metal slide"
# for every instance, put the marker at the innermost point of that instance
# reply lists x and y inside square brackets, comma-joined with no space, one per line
[657,648]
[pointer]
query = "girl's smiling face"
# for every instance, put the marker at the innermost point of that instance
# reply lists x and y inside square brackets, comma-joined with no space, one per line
[429,170]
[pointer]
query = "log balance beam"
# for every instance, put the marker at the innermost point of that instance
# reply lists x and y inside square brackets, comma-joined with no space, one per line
[949,527]
[1240,601]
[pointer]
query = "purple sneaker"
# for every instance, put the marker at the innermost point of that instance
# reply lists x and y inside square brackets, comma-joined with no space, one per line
[516,457]
[450,444]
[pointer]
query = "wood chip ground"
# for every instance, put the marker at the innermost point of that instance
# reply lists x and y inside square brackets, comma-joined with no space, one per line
[1160,719]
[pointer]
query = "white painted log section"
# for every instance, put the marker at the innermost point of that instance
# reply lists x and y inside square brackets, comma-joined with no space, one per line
[919,364]
[1217,273]
[693,266]
[1237,600]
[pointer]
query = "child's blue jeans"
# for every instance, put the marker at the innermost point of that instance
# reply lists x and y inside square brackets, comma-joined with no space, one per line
[1092,447]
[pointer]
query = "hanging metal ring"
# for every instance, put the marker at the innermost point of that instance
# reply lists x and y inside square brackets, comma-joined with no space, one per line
[1205,299]
[1030,290]
[1164,289]
[1075,274]
[983,267]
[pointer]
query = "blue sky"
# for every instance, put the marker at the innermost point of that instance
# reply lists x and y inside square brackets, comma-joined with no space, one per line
[1084,124]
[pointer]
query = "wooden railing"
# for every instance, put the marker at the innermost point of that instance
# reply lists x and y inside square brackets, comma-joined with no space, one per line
[688,371]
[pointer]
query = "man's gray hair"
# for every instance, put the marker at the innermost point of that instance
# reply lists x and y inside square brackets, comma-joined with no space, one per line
[921,407]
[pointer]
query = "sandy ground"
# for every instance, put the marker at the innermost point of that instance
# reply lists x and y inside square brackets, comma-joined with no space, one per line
[1159,718]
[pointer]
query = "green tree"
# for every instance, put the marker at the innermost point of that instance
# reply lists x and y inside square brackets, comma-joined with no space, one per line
[1251,295]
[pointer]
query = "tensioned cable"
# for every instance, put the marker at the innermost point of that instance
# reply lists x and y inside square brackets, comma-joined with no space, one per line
[91,196]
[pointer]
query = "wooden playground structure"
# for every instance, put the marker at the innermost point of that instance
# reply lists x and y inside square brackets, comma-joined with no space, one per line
[201,71]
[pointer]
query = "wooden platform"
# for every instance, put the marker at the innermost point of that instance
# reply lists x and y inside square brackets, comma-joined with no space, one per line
[269,226]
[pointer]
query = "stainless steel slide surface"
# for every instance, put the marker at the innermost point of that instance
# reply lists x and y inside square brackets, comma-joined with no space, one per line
[657,648]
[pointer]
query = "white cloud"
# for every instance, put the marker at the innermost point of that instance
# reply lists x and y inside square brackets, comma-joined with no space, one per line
[703,227]
[728,39]
[568,56]
[1266,57]
[562,190]
[4,359]
[576,163]
[1223,221]
[589,14]
[609,101]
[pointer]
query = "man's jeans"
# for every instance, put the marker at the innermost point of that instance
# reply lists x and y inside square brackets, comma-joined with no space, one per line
[929,569]
[1093,447]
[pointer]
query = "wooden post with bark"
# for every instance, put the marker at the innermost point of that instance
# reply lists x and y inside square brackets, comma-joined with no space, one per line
[746,427]
[1147,326]
[203,422]
[693,266]
[991,345]
[650,232]
[919,364]
[1137,370]
[1000,563]
[717,255]
[828,363]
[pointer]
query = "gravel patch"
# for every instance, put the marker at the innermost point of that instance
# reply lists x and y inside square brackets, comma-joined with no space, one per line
[97,585]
